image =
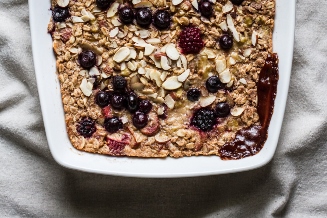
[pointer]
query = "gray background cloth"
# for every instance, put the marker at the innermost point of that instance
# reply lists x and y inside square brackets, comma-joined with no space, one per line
[293,184]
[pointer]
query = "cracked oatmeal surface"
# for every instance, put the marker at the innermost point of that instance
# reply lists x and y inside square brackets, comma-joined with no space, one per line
[156,69]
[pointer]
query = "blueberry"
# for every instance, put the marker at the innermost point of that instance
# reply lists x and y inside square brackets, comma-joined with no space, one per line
[103,4]
[193,94]
[161,19]
[140,120]
[206,9]
[132,102]
[126,14]
[117,101]
[226,41]
[237,2]
[60,14]
[102,98]
[213,84]
[145,106]
[222,109]
[204,119]
[119,83]
[87,59]
[86,127]
[144,17]
[113,124]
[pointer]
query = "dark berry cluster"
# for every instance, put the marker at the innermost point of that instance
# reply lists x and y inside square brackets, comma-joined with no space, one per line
[86,127]
[190,40]
[205,118]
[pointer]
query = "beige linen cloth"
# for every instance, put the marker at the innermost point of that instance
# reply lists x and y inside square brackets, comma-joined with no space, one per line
[293,184]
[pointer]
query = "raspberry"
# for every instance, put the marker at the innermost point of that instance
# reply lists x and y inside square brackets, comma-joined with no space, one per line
[190,40]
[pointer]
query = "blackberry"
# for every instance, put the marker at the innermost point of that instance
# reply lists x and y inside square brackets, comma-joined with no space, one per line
[204,119]
[119,83]
[86,127]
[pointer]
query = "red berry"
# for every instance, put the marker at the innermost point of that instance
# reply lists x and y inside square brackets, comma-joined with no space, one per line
[190,40]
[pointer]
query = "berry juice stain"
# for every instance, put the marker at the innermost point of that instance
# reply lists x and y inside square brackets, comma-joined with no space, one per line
[249,141]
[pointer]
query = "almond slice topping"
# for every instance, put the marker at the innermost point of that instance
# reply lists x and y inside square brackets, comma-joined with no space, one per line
[171,83]
[121,54]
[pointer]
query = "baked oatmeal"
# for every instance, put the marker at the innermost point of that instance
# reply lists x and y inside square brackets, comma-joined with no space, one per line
[157,78]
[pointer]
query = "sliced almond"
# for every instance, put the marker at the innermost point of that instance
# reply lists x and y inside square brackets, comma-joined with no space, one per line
[86,18]
[181,78]
[236,111]
[225,76]
[143,63]
[148,49]
[184,61]
[164,63]
[132,54]
[140,55]
[228,7]
[169,101]
[206,101]
[254,38]
[99,61]
[121,34]
[115,21]
[231,61]
[223,25]
[63,3]
[232,28]
[75,50]
[161,138]
[136,1]
[121,54]
[113,45]
[143,4]
[83,72]
[91,16]
[122,66]
[210,53]
[171,83]
[164,75]
[172,52]
[195,4]
[131,65]
[77,19]
[94,71]
[113,9]
[220,65]
[247,52]
[155,75]
[176,2]
[86,87]
[153,41]
[113,32]
[243,81]
[143,33]
[141,71]
[156,62]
